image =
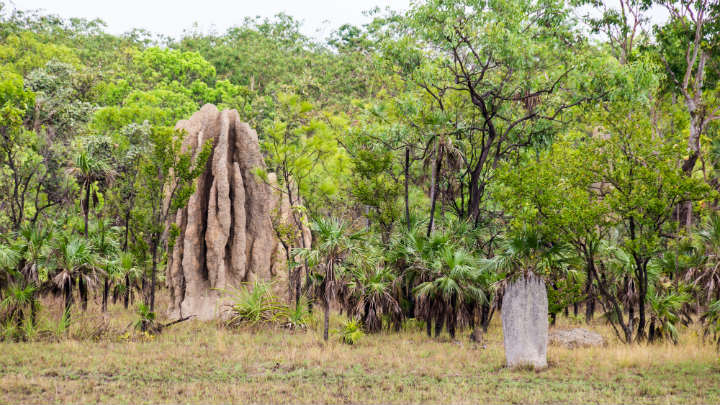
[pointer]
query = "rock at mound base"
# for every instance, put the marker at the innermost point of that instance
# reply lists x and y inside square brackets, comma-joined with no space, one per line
[578,337]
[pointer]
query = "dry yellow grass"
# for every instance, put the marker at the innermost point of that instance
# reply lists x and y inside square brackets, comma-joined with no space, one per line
[196,362]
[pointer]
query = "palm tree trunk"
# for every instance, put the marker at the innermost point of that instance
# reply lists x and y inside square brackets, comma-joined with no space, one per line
[33,310]
[472,311]
[68,296]
[127,291]
[83,288]
[484,315]
[651,332]
[106,290]
[452,317]
[439,319]
[326,322]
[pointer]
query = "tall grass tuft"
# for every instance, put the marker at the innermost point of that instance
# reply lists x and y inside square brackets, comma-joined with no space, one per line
[257,305]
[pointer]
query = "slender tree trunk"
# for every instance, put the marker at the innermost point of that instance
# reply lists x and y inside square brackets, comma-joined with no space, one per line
[435,187]
[68,296]
[298,281]
[153,276]
[86,208]
[127,291]
[33,310]
[83,288]
[439,319]
[484,314]
[407,187]
[125,247]
[290,273]
[590,309]
[307,285]
[106,290]
[473,310]
[590,301]
[641,310]
[651,331]
[326,321]
[127,230]
[452,317]
[428,325]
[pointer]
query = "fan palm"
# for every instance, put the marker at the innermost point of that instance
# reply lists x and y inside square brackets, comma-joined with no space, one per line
[9,259]
[334,243]
[707,276]
[26,259]
[371,291]
[18,300]
[106,247]
[454,282]
[74,260]
[121,271]
[89,169]
[33,247]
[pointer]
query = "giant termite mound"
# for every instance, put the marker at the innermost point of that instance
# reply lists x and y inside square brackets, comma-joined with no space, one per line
[226,235]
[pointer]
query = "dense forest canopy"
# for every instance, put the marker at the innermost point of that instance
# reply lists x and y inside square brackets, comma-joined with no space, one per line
[437,153]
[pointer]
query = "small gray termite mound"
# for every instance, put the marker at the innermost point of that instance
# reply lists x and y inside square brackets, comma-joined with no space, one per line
[525,322]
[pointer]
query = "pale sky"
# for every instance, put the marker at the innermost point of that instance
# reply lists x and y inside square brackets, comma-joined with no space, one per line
[171,17]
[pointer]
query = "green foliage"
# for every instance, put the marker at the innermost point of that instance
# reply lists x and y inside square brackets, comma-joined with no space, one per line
[168,65]
[351,331]
[145,317]
[257,305]
[440,152]
[711,321]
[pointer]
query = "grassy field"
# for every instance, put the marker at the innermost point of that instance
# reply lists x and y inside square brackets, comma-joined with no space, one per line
[196,362]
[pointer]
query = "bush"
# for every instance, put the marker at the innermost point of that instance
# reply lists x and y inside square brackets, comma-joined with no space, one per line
[256,304]
[351,331]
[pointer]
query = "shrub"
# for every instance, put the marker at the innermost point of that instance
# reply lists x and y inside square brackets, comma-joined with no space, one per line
[255,304]
[351,331]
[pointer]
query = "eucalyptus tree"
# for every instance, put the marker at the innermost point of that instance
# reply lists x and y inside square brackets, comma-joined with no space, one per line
[304,152]
[691,55]
[511,66]
[167,180]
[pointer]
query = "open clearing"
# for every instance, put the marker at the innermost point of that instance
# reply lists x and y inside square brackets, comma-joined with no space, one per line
[196,362]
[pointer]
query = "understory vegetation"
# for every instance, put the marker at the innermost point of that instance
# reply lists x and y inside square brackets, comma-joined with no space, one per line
[210,363]
[436,154]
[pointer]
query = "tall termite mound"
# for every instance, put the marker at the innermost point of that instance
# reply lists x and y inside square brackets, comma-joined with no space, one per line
[226,235]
